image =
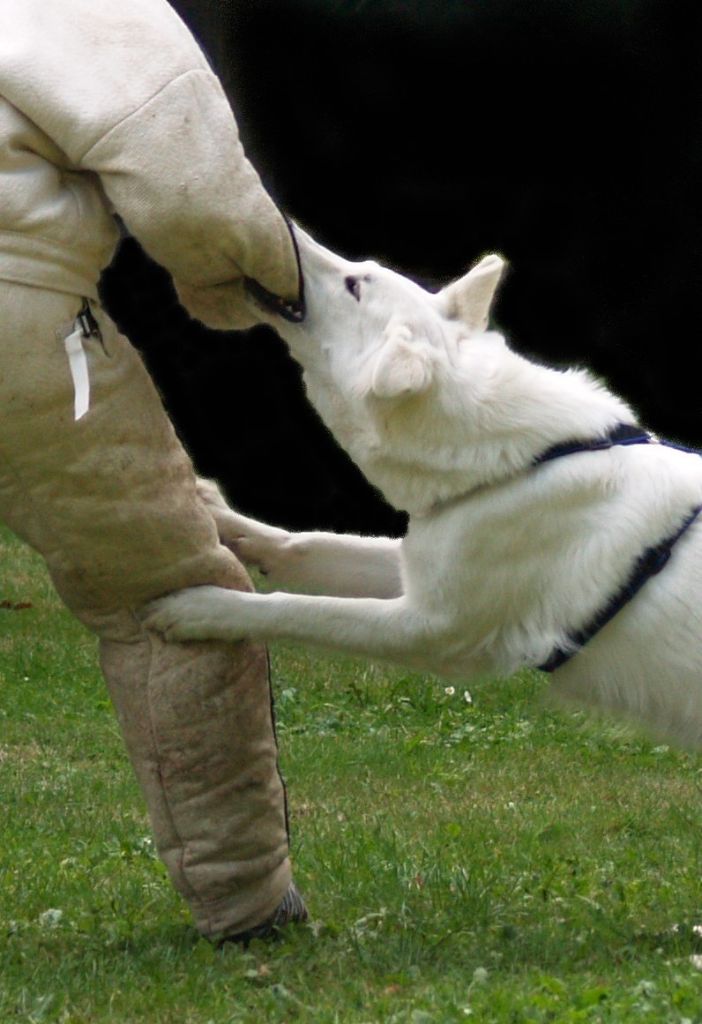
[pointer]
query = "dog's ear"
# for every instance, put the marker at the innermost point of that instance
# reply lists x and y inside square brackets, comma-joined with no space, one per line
[405,365]
[470,297]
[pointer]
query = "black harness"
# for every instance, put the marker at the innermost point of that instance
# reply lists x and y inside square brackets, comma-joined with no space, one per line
[650,562]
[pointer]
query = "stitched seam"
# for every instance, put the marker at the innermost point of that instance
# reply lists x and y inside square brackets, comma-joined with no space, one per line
[80,160]
[271,696]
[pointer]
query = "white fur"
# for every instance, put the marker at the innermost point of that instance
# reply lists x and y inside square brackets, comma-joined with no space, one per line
[502,560]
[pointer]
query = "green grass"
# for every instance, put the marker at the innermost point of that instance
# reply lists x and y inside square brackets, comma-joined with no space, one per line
[494,861]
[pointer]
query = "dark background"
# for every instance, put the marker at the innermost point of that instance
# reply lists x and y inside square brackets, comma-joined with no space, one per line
[564,135]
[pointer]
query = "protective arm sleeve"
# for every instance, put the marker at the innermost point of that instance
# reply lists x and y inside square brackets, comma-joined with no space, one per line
[177,174]
[126,93]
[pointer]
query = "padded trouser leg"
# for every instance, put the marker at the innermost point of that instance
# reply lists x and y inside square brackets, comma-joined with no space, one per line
[110,502]
[197,723]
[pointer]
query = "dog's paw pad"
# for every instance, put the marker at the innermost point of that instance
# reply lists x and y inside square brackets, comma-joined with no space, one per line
[170,616]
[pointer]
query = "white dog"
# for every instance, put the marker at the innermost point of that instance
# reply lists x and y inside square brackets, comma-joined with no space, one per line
[539,513]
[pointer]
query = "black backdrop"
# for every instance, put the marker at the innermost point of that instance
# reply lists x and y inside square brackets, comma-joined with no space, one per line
[566,136]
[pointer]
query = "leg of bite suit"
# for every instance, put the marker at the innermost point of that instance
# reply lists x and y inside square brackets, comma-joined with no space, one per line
[197,723]
[110,502]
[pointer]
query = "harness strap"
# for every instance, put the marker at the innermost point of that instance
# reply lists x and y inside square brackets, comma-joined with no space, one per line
[650,562]
[623,433]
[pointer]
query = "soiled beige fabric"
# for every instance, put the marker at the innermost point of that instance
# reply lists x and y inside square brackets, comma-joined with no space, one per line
[111,107]
[110,502]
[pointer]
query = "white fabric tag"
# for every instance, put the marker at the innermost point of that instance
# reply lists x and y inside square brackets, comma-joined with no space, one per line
[78,363]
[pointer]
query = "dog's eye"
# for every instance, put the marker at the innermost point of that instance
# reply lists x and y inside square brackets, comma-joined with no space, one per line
[353,285]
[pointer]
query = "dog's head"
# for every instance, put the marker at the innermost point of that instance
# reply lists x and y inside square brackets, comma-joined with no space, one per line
[379,352]
[378,333]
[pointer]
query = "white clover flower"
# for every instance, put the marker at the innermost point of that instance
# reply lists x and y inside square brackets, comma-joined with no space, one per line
[449,690]
[50,918]
[467,697]
[645,988]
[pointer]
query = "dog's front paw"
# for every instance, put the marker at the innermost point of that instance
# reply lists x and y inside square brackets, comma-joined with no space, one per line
[199,613]
[257,545]
[210,495]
